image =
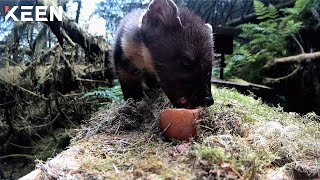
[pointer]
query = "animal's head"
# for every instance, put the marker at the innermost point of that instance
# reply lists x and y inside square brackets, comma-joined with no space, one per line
[181,45]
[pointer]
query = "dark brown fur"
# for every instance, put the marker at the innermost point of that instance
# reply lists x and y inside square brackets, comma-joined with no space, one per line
[167,45]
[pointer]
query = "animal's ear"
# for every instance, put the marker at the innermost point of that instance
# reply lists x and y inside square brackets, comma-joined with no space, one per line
[209,30]
[161,13]
[209,27]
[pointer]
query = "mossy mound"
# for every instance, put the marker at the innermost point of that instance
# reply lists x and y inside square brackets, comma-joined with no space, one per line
[240,138]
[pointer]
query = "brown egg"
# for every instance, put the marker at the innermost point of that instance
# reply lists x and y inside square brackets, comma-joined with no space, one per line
[179,123]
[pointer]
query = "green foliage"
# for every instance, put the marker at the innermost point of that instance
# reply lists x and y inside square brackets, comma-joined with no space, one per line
[261,42]
[306,11]
[113,93]
[264,12]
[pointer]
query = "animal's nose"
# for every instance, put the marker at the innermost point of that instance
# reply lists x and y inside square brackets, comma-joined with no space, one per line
[208,101]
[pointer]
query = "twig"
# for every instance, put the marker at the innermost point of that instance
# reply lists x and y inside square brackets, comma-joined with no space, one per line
[67,37]
[279,79]
[235,171]
[45,149]
[149,139]
[69,95]
[61,111]
[165,129]
[26,90]
[32,93]
[90,80]
[7,103]
[299,44]
[22,147]
[115,168]
[17,156]
[17,64]
[206,127]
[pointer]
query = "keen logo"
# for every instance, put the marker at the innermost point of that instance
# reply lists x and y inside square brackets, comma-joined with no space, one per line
[34,13]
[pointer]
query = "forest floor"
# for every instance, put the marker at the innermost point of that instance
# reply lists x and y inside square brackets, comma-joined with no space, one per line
[240,138]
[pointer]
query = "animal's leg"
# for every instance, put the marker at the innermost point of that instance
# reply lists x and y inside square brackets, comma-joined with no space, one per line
[131,86]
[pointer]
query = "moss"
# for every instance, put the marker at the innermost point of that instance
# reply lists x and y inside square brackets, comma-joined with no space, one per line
[240,138]
[210,153]
[271,136]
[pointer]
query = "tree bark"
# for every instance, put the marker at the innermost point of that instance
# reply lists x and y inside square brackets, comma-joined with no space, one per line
[294,59]
[78,10]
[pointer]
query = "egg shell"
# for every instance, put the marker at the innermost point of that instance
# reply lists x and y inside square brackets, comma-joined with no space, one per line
[179,123]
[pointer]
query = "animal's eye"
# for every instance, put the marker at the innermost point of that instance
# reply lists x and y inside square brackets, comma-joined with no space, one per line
[188,63]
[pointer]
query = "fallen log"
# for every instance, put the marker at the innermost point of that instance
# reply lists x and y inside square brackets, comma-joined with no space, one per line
[294,63]
[298,79]
[300,57]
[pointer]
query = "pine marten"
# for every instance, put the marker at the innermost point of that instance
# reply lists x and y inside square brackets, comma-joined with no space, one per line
[167,46]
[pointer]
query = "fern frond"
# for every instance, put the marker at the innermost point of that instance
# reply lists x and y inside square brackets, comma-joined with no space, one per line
[272,12]
[113,93]
[291,27]
[260,9]
[264,12]
[300,4]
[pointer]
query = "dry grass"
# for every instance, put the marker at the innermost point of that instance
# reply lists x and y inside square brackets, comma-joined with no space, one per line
[11,74]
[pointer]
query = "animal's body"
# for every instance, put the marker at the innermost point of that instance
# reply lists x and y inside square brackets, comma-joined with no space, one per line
[166,46]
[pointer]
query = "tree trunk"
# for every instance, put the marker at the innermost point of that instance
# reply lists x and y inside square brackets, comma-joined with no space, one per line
[78,10]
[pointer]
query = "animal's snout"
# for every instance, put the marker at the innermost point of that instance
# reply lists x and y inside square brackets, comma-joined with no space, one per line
[207,101]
